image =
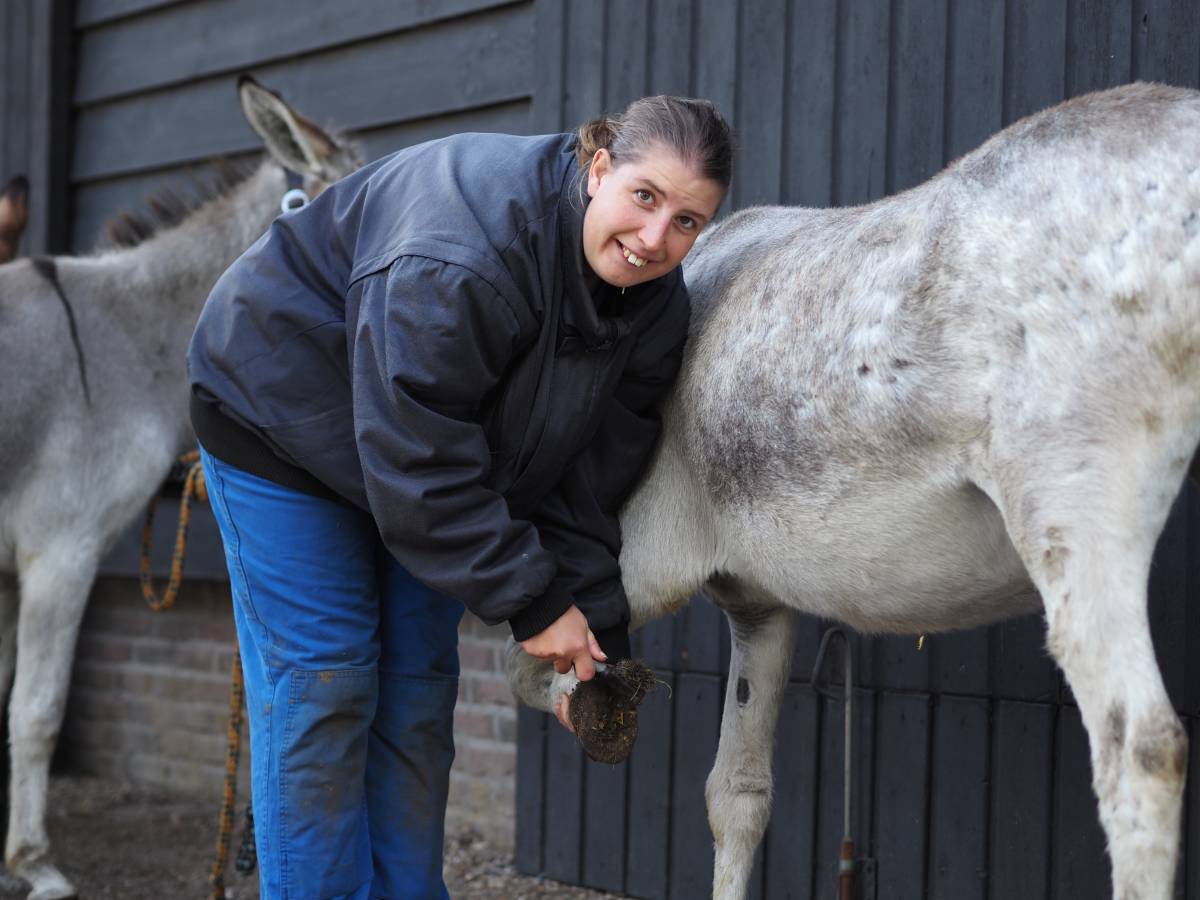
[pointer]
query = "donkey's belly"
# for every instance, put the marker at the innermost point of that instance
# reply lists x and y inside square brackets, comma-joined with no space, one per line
[904,558]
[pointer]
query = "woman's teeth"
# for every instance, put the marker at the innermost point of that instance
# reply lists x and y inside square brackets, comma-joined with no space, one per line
[633,258]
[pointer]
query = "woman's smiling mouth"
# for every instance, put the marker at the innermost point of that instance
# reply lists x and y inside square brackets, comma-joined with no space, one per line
[631,257]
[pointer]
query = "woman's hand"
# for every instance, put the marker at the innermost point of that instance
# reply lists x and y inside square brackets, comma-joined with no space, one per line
[567,642]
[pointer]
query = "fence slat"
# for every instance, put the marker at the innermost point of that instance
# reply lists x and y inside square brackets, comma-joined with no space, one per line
[958,824]
[960,662]
[809,89]
[760,103]
[1035,50]
[531,794]
[860,154]
[1021,670]
[604,826]
[697,728]
[789,840]
[1099,52]
[564,822]
[627,33]
[974,75]
[1022,734]
[1081,866]
[901,794]
[915,91]
[650,777]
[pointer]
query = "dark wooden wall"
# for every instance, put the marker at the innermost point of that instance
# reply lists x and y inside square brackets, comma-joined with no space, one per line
[972,778]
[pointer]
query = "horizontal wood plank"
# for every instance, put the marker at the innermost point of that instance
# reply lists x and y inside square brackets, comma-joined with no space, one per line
[89,13]
[182,43]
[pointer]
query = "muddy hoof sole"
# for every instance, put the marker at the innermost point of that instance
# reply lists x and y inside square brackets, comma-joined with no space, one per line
[604,712]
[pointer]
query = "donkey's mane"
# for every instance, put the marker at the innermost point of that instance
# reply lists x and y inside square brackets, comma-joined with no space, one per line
[170,206]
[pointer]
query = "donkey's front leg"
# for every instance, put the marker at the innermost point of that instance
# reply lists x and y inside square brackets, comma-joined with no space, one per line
[54,588]
[738,790]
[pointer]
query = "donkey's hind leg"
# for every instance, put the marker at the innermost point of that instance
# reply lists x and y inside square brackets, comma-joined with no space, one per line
[8,631]
[1087,539]
[738,790]
[54,584]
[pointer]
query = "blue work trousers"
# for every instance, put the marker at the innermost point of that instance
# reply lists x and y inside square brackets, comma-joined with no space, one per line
[351,671]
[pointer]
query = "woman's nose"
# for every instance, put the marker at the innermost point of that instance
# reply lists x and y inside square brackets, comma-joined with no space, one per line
[654,233]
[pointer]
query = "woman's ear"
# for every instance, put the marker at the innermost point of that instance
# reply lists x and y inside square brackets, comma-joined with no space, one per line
[601,164]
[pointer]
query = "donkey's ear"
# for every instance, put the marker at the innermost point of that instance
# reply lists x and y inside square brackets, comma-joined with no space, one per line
[293,140]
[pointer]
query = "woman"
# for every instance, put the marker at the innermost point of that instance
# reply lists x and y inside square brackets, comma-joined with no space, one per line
[434,386]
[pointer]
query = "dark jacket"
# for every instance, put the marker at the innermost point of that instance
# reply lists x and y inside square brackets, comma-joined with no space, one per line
[421,339]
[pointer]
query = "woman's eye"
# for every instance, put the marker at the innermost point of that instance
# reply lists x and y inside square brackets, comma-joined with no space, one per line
[687,223]
[644,195]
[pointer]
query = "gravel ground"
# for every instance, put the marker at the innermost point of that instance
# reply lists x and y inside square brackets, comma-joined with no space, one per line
[119,841]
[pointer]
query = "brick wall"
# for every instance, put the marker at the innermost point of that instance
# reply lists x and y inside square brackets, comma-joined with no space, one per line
[150,699]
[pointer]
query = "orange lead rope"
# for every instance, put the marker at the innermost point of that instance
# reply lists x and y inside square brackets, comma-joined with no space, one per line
[194,489]
[229,800]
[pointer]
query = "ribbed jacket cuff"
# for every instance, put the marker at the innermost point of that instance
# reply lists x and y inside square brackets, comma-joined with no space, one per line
[615,643]
[540,614]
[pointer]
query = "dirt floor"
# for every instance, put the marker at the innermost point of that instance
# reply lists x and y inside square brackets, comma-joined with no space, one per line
[119,841]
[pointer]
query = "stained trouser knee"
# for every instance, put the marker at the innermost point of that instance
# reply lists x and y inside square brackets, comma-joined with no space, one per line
[324,847]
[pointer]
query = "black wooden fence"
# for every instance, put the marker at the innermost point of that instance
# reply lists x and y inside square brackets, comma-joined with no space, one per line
[972,778]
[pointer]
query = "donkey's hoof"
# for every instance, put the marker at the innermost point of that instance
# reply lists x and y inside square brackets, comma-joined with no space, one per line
[46,882]
[604,713]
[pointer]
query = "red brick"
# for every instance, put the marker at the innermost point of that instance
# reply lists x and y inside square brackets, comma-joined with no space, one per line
[476,656]
[488,761]
[104,648]
[197,656]
[504,728]
[491,690]
[470,721]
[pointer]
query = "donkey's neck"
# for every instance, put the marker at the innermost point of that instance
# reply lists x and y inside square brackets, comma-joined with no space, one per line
[163,282]
[183,262]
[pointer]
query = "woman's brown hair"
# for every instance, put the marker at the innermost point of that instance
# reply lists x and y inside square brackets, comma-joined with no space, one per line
[691,128]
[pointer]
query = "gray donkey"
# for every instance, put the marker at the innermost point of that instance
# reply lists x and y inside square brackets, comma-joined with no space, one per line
[965,402]
[94,413]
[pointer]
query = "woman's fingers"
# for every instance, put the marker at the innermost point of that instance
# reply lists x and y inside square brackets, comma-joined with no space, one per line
[594,646]
[585,669]
[562,709]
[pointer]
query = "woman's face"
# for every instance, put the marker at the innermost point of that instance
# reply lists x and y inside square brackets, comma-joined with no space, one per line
[645,215]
